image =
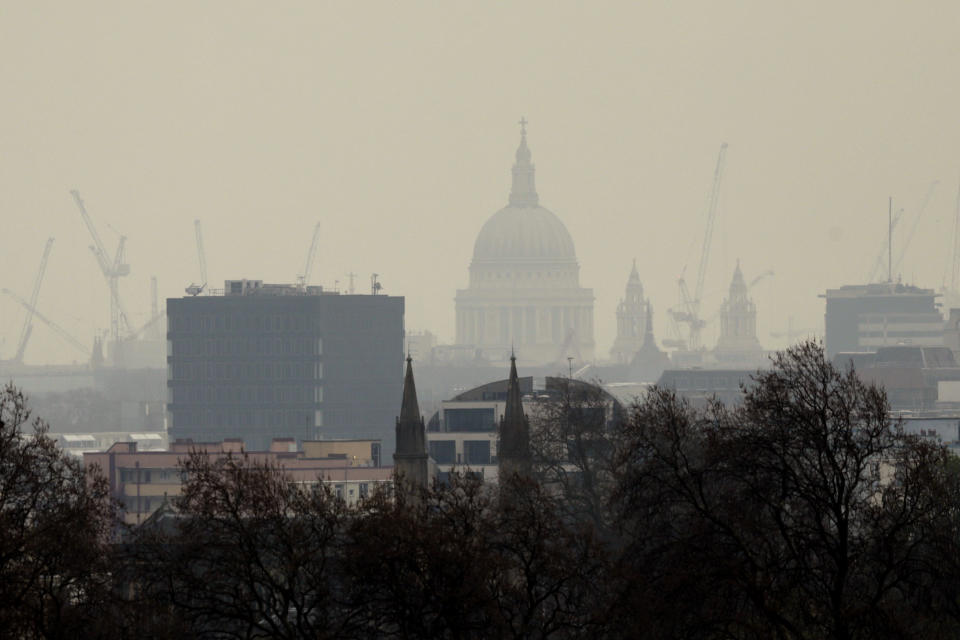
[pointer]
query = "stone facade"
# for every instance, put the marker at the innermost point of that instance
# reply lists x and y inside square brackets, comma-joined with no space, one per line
[524,290]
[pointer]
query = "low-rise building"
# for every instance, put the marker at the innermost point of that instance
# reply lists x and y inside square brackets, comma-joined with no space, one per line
[144,480]
[464,434]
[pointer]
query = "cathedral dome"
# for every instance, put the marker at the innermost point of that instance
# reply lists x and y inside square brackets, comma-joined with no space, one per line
[524,289]
[523,229]
[520,233]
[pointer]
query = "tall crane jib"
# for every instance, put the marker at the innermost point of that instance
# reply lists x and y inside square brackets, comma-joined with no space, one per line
[31,307]
[50,323]
[304,279]
[112,271]
[689,313]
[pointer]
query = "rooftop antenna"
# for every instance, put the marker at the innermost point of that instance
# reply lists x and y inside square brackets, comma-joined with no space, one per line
[374,285]
[351,275]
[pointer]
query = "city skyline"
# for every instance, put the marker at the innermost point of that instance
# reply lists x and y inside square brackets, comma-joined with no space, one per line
[395,129]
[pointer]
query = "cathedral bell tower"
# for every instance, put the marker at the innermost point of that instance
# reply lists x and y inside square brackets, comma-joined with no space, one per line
[631,320]
[738,324]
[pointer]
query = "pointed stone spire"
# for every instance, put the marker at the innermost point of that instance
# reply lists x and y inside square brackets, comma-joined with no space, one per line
[410,458]
[738,286]
[523,192]
[648,334]
[409,407]
[514,449]
[649,362]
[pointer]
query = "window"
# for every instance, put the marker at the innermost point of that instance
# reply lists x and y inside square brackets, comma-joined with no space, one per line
[459,420]
[443,451]
[476,451]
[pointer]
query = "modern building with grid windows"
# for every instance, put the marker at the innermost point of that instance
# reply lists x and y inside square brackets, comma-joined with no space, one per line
[262,361]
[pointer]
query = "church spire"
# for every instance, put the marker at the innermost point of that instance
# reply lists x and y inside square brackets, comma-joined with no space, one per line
[410,458]
[648,333]
[514,448]
[523,192]
[409,407]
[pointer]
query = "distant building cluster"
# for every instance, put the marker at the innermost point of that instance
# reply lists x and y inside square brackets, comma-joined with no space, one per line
[311,379]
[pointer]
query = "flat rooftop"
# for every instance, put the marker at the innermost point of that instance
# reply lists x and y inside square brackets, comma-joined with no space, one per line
[878,289]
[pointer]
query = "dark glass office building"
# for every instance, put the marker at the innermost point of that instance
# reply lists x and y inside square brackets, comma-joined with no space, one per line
[260,361]
[864,318]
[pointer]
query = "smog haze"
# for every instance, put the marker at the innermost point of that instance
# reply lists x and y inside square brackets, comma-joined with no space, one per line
[394,125]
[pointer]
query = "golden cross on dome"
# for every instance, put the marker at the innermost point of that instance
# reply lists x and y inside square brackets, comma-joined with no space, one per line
[523,126]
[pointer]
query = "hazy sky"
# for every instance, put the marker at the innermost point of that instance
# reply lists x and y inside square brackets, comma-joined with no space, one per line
[394,125]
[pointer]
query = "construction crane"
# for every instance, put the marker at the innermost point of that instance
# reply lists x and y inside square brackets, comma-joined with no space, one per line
[194,289]
[689,312]
[28,321]
[304,279]
[768,272]
[708,321]
[955,264]
[154,308]
[155,315]
[916,223]
[883,255]
[152,322]
[112,271]
[50,323]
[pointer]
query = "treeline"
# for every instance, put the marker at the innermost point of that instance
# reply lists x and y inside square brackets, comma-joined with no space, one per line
[804,513]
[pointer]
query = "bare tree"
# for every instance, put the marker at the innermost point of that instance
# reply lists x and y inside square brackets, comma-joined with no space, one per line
[804,513]
[422,568]
[55,525]
[250,554]
[572,445]
[551,568]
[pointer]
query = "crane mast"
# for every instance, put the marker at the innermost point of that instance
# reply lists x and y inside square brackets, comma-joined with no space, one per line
[28,321]
[690,311]
[916,222]
[955,266]
[194,289]
[112,270]
[304,279]
[201,254]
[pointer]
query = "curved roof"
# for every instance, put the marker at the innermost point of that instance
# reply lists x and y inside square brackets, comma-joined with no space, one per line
[522,233]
